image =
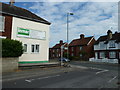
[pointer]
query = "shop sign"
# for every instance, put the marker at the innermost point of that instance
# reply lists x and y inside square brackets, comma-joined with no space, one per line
[29,33]
[23,32]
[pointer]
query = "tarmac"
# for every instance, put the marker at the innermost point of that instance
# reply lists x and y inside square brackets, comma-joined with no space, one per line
[53,67]
[39,70]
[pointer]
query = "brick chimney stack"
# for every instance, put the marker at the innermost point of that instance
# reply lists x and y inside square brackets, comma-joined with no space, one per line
[109,34]
[81,36]
[11,2]
[61,41]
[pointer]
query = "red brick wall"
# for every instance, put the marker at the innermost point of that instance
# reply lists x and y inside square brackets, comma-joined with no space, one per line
[8,27]
[55,52]
[86,48]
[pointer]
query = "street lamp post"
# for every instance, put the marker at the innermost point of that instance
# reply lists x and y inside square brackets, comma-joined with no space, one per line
[68,33]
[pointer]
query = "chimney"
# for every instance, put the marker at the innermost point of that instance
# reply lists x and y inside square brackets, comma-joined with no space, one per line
[109,34]
[11,2]
[116,34]
[61,41]
[81,36]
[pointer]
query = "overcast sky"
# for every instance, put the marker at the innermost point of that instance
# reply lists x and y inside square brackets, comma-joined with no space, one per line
[90,18]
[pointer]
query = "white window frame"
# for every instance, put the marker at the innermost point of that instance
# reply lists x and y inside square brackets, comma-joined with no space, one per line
[3,23]
[65,48]
[25,48]
[102,54]
[35,50]
[112,54]
[80,47]
[102,45]
[112,44]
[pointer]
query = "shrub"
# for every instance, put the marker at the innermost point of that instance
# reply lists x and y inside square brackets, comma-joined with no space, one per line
[11,48]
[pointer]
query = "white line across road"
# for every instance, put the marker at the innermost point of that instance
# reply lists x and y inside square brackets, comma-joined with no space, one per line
[112,79]
[102,71]
[30,80]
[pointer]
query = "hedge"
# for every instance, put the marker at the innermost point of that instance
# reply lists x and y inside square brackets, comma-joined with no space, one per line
[11,48]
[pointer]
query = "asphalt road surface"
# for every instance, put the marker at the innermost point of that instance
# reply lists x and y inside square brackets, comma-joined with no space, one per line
[96,76]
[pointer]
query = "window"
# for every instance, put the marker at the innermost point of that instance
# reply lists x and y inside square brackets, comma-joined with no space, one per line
[102,54]
[72,54]
[53,55]
[80,55]
[80,48]
[65,48]
[112,54]
[72,48]
[25,47]
[111,44]
[57,50]
[102,45]
[57,55]
[35,48]
[2,23]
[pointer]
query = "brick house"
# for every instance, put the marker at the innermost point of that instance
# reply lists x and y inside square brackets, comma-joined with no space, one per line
[82,48]
[107,48]
[33,31]
[55,51]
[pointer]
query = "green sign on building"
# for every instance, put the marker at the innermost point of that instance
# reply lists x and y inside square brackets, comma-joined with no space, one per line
[24,32]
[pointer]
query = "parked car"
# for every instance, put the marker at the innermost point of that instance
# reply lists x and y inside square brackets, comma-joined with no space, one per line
[64,60]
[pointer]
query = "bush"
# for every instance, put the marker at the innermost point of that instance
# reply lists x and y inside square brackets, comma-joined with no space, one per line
[11,48]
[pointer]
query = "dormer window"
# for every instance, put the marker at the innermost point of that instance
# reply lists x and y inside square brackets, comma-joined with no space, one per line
[111,44]
[2,19]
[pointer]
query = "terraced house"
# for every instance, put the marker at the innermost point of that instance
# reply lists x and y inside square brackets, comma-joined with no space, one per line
[55,51]
[33,31]
[107,48]
[82,48]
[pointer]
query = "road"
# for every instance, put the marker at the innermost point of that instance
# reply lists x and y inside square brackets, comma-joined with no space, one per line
[96,76]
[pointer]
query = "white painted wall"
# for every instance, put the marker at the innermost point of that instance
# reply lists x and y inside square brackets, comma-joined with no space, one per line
[106,46]
[105,60]
[44,44]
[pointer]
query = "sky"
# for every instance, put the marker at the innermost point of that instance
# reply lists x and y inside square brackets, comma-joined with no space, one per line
[89,18]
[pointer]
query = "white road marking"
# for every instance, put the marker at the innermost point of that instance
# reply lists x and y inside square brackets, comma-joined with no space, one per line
[96,68]
[30,80]
[102,71]
[112,79]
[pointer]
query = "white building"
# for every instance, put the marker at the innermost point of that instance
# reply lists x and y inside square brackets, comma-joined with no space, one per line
[33,31]
[107,48]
